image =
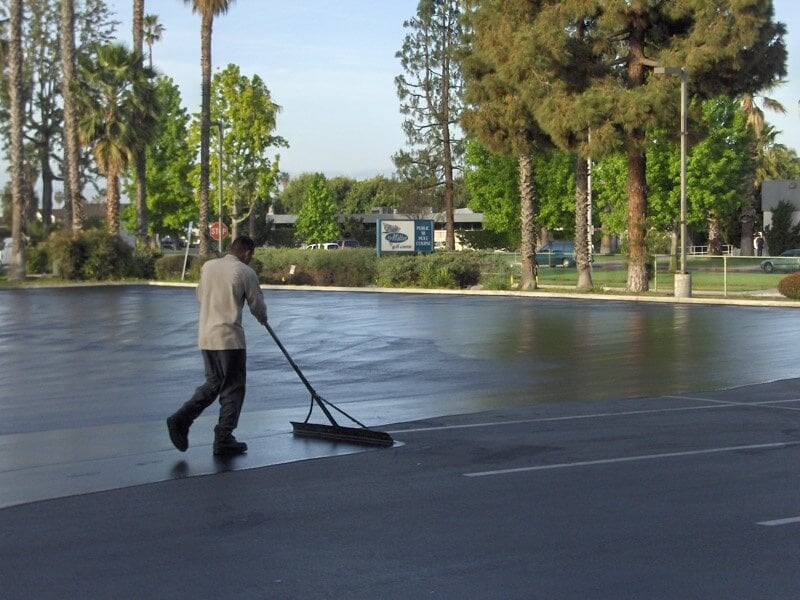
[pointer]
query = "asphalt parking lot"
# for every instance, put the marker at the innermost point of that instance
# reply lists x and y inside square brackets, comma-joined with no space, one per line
[495,488]
[685,496]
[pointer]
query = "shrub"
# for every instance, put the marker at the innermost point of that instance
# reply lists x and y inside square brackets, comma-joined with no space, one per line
[107,257]
[171,267]
[789,286]
[65,254]
[143,263]
[398,271]
[36,260]
[347,268]
[496,272]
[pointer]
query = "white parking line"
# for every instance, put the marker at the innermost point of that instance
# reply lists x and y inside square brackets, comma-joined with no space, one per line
[778,522]
[566,418]
[622,459]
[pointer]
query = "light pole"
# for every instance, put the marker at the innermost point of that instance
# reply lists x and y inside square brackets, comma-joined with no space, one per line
[218,124]
[683,280]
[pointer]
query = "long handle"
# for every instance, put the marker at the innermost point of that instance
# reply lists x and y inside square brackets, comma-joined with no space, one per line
[291,362]
[315,397]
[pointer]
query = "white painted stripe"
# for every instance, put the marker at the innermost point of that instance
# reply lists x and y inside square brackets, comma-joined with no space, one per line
[778,522]
[566,418]
[623,459]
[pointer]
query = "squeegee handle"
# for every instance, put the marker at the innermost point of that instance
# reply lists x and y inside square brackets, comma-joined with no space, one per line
[291,362]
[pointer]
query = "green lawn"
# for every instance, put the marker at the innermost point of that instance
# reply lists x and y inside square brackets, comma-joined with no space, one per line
[734,275]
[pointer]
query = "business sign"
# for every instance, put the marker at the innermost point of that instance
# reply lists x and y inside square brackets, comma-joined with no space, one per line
[404,236]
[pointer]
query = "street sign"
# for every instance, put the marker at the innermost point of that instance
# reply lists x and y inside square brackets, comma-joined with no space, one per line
[213,230]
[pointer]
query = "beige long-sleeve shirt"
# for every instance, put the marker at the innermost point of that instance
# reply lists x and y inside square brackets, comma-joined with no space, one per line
[225,284]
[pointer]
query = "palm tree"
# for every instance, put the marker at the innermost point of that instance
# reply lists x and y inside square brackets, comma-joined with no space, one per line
[140,162]
[138,26]
[759,146]
[208,9]
[15,90]
[153,30]
[71,169]
[118,115]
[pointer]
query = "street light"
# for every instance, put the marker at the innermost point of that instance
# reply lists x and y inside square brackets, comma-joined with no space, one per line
[218,124]
[683,280]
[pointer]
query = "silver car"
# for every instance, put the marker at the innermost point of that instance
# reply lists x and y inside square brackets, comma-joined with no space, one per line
[786,262]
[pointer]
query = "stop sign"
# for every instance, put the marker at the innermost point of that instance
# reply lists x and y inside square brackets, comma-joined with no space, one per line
[213,229]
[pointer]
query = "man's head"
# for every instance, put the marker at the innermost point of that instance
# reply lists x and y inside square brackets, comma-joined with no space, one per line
[243,248]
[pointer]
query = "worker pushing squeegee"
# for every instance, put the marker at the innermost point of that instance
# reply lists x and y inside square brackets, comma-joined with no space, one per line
[225,284]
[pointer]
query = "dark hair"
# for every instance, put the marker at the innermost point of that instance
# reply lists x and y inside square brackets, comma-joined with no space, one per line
[242,244]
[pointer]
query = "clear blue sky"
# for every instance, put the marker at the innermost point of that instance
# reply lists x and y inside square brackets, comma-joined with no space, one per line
[331,65]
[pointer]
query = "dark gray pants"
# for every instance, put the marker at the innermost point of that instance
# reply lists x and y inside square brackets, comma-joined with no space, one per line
[226,373]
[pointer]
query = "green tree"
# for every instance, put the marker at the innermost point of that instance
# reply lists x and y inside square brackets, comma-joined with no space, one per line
[170,200]
[430,96]
[208,9]
[781,234]
[726,47]
[718,169]
[366,194]
[115,93]
[291,198]
[491,181]
[248,114]
[498,111]
[316,222]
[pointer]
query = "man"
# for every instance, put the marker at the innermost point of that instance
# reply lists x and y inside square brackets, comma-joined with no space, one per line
[225,284]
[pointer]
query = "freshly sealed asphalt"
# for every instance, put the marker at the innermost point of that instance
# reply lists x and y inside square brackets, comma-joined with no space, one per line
[530,462]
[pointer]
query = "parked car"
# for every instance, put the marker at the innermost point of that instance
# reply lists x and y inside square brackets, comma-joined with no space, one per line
[5,250]
[345,244]
[323,246]
[555,254]
[786,262]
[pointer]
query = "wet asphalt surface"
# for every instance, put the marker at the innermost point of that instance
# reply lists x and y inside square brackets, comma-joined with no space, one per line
[546,449]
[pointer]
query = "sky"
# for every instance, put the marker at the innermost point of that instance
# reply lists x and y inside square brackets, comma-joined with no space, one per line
[330,65]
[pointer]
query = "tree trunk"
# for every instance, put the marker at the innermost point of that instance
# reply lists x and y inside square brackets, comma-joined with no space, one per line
[72,185]
[582,255]
[714,235]
[17,266]
[674,240]
[637,214]
[141,197]
[637,183]
[140,162]
[138,26]
[449,215]
[527,201]
[47,191]
[747,217]
[112,203]
[205,118]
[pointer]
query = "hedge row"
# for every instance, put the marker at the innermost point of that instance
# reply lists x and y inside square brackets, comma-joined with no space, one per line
[94,255]
[360,267]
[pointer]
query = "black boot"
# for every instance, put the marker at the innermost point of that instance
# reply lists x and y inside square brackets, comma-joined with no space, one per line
[178,428]
[227,445]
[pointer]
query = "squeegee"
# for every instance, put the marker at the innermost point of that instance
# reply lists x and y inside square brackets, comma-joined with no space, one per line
[334,432]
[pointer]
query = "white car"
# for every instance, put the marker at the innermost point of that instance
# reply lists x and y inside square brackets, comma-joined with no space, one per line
[5,251]
[324,246]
